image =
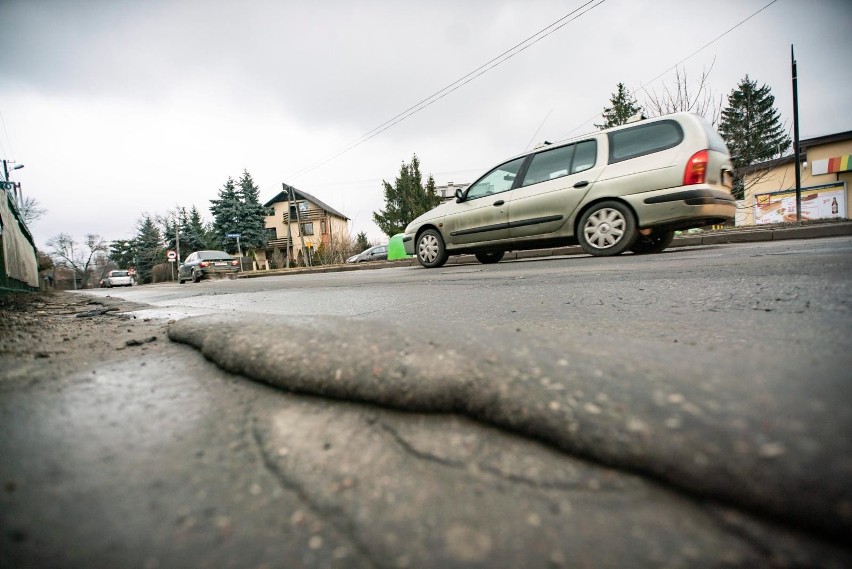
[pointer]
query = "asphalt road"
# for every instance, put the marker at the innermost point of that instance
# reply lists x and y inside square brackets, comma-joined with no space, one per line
[689,409]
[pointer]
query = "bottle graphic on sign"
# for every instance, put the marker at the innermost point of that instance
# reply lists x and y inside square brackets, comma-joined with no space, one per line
[834,206]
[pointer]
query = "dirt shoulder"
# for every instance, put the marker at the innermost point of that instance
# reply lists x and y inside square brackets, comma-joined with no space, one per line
[45,336]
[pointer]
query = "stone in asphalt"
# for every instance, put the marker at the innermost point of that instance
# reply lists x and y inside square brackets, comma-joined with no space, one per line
[768,447]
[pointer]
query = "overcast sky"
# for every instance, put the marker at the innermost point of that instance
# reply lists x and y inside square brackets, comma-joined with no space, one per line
[118,108]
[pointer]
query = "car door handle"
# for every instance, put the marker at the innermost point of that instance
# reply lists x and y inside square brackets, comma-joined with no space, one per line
[581,184]
[499,203]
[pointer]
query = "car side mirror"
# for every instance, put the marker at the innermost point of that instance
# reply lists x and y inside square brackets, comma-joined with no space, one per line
[459,195]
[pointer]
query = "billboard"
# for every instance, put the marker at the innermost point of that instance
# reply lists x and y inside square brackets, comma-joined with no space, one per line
[818,202]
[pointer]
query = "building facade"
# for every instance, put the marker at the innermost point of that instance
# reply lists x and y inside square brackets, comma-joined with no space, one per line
[825,173]
[299,223]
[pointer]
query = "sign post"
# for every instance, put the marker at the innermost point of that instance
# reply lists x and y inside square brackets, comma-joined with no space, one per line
[172,256]
[239,249]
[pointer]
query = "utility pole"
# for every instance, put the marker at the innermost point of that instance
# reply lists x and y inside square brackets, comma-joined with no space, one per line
[796,139]
[289,232]
[305,255]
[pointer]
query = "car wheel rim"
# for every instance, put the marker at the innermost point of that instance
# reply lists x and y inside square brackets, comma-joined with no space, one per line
[428,249]
[604,228]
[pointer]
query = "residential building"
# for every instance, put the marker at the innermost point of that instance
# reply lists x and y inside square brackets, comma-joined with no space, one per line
[309,219]
[448,192]
[826,170]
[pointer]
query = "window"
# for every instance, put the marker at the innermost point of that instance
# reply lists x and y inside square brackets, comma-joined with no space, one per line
[271,233]
[552,164]
[585,156]
[302,209]
[549,165]
[643,139]
[307,229]
[497,180]
[324,227]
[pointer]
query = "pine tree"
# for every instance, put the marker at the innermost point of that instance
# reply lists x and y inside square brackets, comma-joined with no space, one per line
[149,248]
[197,236]
[361,242]
[752,129]
[406,199]
[226,216]
[252,214]
[623,107]
[122,252]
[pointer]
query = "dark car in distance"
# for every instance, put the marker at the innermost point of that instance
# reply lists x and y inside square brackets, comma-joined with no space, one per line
[206,264]
[377,253]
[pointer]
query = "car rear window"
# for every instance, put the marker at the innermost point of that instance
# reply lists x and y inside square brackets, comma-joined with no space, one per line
[213,255]
[118,274]
[643,139]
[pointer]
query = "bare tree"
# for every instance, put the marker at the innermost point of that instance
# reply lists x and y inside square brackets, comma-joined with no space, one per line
[696,98]
[31,210]
[80,257]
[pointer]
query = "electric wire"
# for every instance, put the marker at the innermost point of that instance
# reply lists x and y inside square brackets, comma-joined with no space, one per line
[458,83]
[644,86]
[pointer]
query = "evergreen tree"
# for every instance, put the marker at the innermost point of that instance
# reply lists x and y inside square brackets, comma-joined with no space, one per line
[752,129]
[406,199]
[361,242]
[198,236]
[122,252]
[252,214]
[149,249]
[623,107]
[226,217]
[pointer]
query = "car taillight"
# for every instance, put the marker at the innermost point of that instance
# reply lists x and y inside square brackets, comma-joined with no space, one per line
[234,263]
[696,168]
[203,264]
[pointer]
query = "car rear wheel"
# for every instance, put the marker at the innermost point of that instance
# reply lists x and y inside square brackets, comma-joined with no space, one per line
[653,243]
[196,276]
[430,249]
[607,228]
[489,257]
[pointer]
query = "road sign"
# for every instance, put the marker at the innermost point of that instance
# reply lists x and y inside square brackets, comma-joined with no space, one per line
[171,255]
[232,234]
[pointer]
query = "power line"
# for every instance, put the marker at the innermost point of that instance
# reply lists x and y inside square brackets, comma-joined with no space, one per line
[691,55]
[458,83]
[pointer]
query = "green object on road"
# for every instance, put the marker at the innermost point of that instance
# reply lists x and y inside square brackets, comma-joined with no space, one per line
[396,250]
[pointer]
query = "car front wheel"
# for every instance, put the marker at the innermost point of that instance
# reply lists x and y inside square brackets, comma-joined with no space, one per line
[607,228]
[430,249]
[653,243]
[489,257]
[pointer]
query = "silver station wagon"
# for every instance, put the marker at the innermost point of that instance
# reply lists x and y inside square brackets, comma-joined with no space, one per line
[625,188]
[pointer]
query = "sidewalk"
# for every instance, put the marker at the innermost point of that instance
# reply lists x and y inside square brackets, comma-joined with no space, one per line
[748,234]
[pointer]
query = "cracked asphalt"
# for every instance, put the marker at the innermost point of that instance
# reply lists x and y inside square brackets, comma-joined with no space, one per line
[643,429]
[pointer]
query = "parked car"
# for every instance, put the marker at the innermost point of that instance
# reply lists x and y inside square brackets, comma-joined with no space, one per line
[205,264]
[117,278]
[625,188]
[377,253]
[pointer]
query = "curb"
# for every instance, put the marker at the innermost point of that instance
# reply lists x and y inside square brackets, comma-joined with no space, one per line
[777,232]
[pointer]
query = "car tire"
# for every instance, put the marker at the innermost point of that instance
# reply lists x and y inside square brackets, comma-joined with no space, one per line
[431,251]
[181,281]
[490,257]
[196,276]
[607,228]
[656,242]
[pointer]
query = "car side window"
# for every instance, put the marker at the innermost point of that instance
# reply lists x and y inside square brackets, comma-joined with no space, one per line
[549,165]
[553,164]
[585,156]
[498,180]
[643,139]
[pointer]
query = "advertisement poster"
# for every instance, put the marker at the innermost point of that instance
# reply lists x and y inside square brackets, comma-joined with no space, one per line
[818,202]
